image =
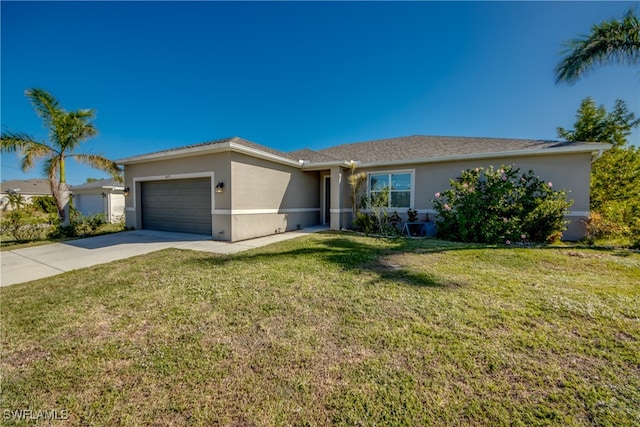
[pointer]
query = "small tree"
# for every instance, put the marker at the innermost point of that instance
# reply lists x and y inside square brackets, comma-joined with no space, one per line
[500,206]
[356,180]
[594,124]
[16,200]
[615,176]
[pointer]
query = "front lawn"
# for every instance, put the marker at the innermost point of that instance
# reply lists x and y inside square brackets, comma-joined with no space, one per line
[330,329]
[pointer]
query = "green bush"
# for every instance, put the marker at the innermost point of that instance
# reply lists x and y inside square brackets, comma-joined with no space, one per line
[500,206]
[378,220]
[45,204]
[81,226]
[364,223]
[25,225]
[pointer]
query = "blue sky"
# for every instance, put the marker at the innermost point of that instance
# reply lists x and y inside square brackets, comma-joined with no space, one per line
[291,75]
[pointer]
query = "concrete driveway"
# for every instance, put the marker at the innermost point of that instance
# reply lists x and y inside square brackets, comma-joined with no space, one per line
[24,265]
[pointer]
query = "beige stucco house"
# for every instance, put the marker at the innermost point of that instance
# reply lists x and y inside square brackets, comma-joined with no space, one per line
[234,189]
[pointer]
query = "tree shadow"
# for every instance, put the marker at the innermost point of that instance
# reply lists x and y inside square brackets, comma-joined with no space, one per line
[356,254]
[370,254]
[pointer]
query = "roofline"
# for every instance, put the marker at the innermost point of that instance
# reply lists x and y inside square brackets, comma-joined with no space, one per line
[593,148]
[207,149]
[102,187]
[239,148]
[311,166]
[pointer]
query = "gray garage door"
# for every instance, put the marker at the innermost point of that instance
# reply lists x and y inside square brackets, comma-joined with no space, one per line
[182,205]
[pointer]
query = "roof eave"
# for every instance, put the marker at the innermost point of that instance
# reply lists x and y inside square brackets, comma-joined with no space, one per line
[254,152]
[103,187]
[311,166]
[175,154]
[207,149]
[591,148]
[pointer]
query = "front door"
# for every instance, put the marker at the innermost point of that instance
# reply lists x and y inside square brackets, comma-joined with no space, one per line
[327,201]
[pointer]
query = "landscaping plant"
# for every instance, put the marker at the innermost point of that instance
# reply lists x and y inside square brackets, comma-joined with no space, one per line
[500,206]
[378,220]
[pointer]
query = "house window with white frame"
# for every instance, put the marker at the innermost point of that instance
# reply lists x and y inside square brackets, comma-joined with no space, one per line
[392,188]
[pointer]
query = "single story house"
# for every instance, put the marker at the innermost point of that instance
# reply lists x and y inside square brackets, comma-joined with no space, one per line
[104,196]
[28,188]
[234,189]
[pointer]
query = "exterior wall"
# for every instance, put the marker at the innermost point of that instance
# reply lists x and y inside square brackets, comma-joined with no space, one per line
[269,198]
[570,172]
[216,166]
[340,207]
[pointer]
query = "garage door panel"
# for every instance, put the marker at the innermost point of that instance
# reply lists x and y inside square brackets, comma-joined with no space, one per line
[180,205]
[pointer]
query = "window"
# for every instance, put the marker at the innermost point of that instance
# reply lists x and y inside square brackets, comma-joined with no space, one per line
[392,189]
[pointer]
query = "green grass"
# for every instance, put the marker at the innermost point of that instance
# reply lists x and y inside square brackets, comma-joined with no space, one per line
[332,329]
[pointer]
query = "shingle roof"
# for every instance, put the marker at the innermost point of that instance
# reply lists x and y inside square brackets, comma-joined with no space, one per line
[425,147]
[311,155]
[101,183]
[28,186]
[398,150]
[211,144]
[263,148]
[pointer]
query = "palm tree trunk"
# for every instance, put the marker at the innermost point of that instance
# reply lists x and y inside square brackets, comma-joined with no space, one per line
[61,195]
[65,196]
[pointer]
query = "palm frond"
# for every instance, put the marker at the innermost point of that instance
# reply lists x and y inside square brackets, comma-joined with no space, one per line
[45,105]
[11,142]
[73,128]
[610,42]
[101,163]
[30,149]
[33,152]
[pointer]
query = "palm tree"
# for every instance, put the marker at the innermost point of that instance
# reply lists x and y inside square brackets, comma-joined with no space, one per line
[66,131]
[612,41]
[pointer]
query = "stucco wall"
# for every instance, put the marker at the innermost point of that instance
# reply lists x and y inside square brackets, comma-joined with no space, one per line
[269,197]
[570,172]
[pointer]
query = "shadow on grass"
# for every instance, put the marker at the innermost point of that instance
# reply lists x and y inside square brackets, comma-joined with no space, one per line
[357,254]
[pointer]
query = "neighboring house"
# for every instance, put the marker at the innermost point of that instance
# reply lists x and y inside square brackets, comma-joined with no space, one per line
[29,188]
[105,196]
[233,189]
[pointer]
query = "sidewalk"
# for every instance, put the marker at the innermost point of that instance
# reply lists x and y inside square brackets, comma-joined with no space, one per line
[24,265]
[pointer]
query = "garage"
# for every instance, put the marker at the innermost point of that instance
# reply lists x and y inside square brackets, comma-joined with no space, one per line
[89,204]
[179,205]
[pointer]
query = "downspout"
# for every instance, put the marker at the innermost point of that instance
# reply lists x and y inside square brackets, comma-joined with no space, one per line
[597,155]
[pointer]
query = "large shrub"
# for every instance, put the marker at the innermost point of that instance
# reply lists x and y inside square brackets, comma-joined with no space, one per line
[44,204]
[26,225]
[500,206]
[615,194]
[80,225]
